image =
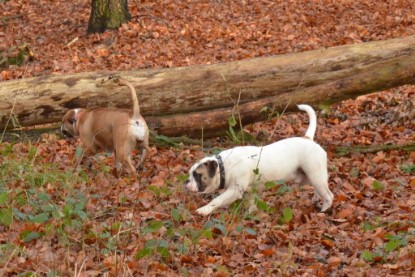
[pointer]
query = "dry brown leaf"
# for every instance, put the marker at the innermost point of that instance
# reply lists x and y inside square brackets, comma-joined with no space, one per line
[345,213]
[334,261]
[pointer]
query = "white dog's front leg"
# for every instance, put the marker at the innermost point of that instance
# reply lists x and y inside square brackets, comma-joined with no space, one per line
[226,198]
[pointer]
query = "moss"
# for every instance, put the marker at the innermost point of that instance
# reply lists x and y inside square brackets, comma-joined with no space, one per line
[16,56]
[107,14]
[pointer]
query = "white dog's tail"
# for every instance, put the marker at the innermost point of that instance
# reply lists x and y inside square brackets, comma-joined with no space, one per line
[313,120]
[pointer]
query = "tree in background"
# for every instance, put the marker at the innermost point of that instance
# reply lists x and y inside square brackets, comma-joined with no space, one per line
[107,14]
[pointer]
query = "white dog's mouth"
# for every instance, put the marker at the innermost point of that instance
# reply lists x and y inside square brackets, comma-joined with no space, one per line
[192,186]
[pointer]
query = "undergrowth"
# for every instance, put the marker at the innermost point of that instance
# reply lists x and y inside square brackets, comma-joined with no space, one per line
[43,203]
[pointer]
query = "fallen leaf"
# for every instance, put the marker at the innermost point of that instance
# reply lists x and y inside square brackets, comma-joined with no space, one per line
[333,261]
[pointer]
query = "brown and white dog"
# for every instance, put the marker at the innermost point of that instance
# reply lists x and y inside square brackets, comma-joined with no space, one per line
[110,129]
[238,169]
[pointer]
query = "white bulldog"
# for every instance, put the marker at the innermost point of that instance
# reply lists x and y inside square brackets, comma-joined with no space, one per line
[238,169]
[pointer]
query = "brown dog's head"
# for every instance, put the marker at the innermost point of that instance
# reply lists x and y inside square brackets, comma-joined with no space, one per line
[68,126]
[204,176]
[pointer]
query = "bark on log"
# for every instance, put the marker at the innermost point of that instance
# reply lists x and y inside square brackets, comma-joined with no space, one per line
[187,100]
[107,14]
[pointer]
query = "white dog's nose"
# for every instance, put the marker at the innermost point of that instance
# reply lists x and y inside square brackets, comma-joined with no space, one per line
[190,186]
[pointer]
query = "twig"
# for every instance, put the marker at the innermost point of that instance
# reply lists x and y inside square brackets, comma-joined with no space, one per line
[8,261]
[235,106]
[10,17]
[72,42]
[343,151]
[152,17]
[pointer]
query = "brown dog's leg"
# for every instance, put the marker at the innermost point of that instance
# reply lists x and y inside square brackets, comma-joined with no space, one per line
[125,160]
[131,169]
[85,158]
[144,155]
[117,166]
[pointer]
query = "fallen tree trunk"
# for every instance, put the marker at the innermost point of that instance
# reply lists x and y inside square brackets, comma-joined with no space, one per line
[200,99]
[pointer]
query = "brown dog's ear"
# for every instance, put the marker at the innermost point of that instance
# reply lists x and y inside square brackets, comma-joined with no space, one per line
[212,166]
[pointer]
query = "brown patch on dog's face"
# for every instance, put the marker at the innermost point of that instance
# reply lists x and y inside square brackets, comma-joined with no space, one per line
[203,177]
[68,124]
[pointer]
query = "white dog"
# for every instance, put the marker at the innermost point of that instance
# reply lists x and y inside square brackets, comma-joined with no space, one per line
[236,170]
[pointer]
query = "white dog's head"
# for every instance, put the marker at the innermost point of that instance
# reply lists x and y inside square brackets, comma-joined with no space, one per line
[204,176]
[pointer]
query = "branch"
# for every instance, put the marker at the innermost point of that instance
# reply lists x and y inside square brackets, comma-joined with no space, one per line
[343,151]
[10,17]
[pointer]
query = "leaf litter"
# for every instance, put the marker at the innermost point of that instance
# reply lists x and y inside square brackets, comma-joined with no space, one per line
[82,221]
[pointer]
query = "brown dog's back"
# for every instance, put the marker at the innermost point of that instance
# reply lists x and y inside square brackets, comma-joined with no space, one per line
[111,121]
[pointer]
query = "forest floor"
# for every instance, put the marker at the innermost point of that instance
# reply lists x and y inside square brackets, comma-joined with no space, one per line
[61,219]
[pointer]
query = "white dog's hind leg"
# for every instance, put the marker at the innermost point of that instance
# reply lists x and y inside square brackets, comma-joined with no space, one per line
[321,190]
[318,177]
[226,198]
[327,199]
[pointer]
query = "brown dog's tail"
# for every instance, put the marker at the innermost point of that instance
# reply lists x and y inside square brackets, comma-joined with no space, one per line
[136,106]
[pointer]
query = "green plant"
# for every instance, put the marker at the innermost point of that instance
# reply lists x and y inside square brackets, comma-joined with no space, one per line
[154,246]
[183,178]
[372,224]
[160,192]
[164,140]
[376,185]
[176,238]
[180,214]
[381,254]
[286,216]
[240,136]
[408,168]
[366,255]
[367,226]
[6,210]
[395,242]
[231,132]
[27,195]
[269,113]
[241,229]
[16,56]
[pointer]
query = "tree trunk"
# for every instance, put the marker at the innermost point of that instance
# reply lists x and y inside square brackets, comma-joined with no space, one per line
[198,100]
[107,14]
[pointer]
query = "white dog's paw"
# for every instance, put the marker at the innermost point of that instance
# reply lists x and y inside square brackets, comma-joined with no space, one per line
[325,207]
[315,198]
[205,210]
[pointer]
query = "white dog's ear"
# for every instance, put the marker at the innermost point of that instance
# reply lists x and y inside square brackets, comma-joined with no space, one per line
[212,166]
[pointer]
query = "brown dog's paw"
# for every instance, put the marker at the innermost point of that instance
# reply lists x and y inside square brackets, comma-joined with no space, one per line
[116,172]
[140,167]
